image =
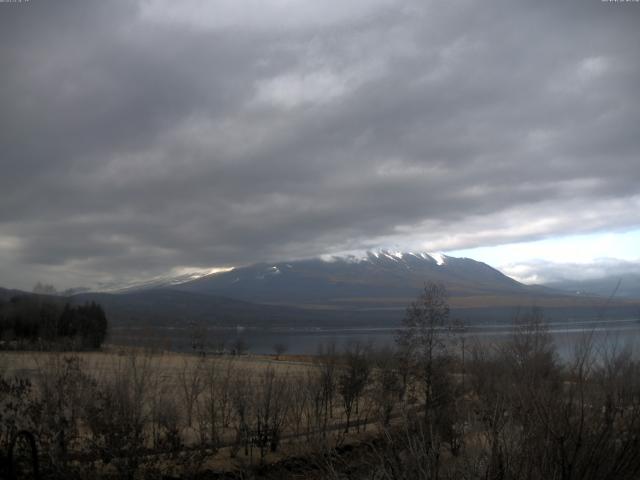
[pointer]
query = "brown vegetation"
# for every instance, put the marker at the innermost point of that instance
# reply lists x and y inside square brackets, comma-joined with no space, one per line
[510,411]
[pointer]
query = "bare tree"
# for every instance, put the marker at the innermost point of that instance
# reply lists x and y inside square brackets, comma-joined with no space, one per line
[271,404]
[280,348]
[239,346]
[198,337]
[299,401]
[315,409]
[353,379]
[169,437]
[209,408]
[421,340]
[241,400]
[62,386]
[387,386]
[117,416]
[327,361]
[191,383]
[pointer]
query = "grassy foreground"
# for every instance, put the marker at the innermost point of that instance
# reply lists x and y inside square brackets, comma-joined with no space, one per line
[506,411]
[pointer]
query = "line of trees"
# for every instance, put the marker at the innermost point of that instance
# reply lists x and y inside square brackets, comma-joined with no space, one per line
[513,411]
[32,321]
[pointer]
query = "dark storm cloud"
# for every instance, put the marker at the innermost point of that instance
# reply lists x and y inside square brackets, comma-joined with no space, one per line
[140,137]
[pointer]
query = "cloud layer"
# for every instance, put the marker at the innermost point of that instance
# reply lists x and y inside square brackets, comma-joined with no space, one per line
[545,272]
[140,137]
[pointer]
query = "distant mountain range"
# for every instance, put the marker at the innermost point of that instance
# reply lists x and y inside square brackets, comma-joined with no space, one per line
[626,285]
[373,289]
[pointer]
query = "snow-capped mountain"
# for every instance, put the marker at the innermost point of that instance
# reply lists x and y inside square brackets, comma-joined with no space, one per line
[375,279]
[351,290]
[162,281]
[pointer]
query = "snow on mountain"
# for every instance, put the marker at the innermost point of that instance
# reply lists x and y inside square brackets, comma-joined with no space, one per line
[368,279]
[438,257]
[373,263]
[161,281]
[374,255]
[375,284]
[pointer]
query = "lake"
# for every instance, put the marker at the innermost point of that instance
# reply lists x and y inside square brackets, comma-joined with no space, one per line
[566,335]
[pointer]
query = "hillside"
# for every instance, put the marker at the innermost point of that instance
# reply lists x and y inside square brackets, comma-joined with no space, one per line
[373,290]
[377,280]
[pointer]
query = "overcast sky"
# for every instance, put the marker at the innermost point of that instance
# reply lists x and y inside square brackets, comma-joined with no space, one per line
[140,138]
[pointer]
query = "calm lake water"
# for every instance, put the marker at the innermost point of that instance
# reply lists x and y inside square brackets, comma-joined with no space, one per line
[609,334]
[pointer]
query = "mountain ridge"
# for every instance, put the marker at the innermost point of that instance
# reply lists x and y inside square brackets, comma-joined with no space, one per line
[374,288]
[358,282]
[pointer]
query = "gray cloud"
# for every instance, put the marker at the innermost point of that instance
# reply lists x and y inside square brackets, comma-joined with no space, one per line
[141,137]
[553,273]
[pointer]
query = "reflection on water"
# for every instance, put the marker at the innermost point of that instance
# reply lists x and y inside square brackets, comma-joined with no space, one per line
[609,334]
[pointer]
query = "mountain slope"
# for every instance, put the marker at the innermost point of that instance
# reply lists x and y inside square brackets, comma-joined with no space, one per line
[175,308]
[341,291]
[377,280]
[170,308]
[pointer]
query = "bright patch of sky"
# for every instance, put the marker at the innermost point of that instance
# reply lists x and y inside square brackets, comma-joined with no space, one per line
[569,249]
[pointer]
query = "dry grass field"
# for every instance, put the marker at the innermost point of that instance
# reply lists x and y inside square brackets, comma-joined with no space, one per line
[170,365]
[177,411]
[416,412]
